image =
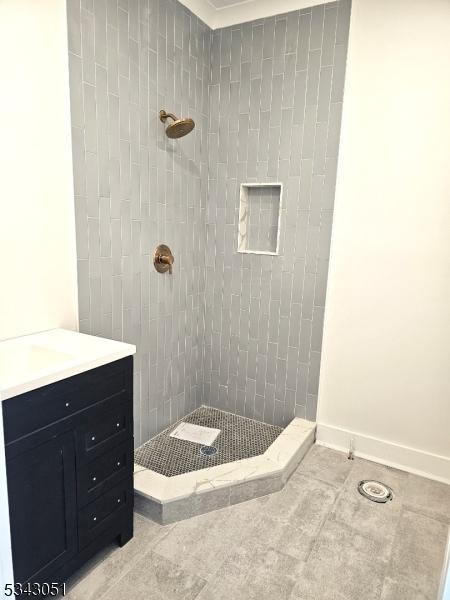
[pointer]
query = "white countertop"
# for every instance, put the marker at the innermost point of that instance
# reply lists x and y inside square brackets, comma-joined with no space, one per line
[32,361]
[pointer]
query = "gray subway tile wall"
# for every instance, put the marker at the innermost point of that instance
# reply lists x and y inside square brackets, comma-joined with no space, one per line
[240,332]
[276,96]
[134,189]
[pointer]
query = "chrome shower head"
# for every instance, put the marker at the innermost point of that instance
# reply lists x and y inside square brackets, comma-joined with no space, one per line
[179,128]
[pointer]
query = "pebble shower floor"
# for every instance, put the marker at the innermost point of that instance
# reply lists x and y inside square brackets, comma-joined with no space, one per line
[239,438]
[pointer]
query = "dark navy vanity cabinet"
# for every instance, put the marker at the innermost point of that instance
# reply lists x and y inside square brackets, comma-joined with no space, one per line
[69,463]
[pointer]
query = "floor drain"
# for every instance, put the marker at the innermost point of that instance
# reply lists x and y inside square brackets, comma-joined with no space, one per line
[375,491]
[208,450]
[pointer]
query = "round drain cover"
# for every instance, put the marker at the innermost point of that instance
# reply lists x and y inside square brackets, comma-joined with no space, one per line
[375,490]
[208,450]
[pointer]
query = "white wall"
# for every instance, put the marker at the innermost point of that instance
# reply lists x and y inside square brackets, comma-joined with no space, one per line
[385,366]
[37,230]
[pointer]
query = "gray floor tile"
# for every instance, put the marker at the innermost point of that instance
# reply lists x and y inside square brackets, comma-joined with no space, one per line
[156,578]
[317,539]
[202,544]
[76,582]
[370,519]
[342,566]
[255,573]
[428,497]
[292,518]
[325,464]
[99,575]
[393,589]
[418,552]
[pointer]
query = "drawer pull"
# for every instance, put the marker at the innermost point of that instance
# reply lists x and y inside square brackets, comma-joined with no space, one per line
[67,404]
[118,464]
[93,438]
[117,424]
[94,519]
[118,500]
[94,479]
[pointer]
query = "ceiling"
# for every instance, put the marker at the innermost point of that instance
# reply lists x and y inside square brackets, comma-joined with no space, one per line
[225,3]
[223,13]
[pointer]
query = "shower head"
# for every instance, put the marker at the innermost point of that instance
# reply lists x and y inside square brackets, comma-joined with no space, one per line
[179,128]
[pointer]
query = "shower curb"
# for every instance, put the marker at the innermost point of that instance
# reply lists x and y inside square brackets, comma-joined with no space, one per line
[170,499]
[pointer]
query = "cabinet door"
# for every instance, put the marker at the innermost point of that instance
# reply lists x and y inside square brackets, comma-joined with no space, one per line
[42,508]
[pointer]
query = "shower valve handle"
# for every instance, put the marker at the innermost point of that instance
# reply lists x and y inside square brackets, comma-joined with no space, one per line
[163,259]
[166,260]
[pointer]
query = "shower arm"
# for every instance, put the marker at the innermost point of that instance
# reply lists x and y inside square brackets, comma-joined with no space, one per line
[163,115]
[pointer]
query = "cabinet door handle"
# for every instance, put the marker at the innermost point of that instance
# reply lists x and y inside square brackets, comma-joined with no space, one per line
[118,464]
[117,424]
[94,479]
[118,500]
[93,438]
[94,519]
[67,404]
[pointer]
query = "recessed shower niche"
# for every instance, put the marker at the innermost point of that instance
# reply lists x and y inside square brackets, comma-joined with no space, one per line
[259,218]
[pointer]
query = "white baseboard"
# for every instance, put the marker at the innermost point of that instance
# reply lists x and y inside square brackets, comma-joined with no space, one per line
[426,464]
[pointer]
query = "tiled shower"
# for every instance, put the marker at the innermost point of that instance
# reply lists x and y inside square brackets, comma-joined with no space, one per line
[234,330]
[135,189]
[275,111]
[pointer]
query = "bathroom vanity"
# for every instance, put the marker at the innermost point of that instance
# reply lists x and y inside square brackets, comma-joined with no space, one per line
[69,452]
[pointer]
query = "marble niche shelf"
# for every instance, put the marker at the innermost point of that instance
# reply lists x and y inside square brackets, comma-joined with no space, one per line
[259,218]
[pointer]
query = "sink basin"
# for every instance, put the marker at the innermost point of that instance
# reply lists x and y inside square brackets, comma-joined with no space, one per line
[33,361]
[18,360]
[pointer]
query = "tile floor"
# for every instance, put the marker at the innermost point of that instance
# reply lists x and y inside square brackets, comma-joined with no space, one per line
[317,539]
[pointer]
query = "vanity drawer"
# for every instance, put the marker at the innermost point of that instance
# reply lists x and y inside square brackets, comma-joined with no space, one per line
[104,431]
[98,516]
[44,406]
[104,472]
